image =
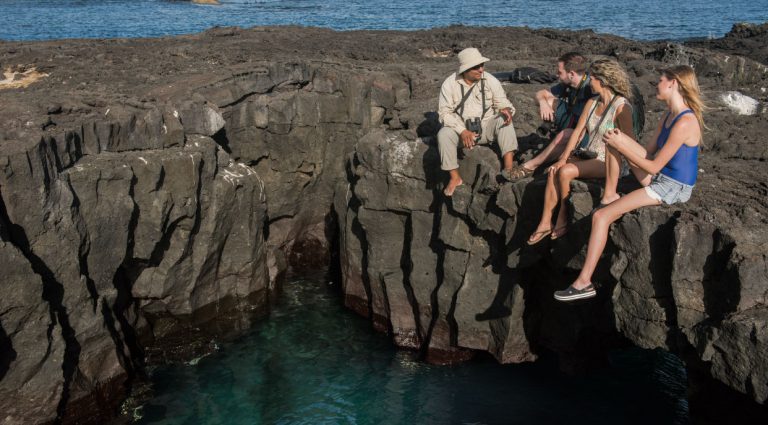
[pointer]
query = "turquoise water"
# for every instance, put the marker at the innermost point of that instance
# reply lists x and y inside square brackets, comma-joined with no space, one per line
[314,362]
[649,19]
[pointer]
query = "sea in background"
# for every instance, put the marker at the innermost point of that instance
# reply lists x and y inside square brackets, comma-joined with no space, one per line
[642,20]
[315,362]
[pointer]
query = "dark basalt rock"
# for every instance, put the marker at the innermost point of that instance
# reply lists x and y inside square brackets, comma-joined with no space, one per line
[154,192]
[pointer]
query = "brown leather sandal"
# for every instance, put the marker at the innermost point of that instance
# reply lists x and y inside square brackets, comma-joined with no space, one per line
[516,173]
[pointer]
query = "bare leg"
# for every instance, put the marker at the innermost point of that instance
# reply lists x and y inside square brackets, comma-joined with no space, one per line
[453,183]
[601,222]
[642,176]
[612,171]
[550,202]
[508,160]
[551,151]
[591,168]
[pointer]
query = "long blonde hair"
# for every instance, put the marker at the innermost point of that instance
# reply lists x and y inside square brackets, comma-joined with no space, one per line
[612,74]
[688,86]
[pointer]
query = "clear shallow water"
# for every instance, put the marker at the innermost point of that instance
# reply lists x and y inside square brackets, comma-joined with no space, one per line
[314,362]
[648,19]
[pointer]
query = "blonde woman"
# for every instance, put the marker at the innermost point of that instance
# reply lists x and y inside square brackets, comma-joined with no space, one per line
[609,109]
[667,168]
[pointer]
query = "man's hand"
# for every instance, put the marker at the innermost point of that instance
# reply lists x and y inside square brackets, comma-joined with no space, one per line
[546,111]
[468,138]
[507,114]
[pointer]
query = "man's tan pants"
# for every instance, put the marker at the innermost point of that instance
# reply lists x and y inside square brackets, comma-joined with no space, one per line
[493,130]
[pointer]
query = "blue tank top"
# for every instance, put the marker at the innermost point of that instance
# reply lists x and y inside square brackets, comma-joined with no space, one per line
[684,165]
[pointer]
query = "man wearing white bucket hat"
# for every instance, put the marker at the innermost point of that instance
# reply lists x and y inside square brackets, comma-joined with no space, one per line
[473,109]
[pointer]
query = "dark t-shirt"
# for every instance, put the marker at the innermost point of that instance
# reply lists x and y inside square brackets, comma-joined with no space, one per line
[571,103]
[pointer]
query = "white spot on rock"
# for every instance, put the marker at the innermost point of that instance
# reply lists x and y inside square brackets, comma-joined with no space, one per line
[400,155]
[143,160]
[740,103]
[215,120]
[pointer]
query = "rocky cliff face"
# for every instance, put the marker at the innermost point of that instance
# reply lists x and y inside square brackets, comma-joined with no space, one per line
[454,275]
[126,234]
[155,200]
[111,248]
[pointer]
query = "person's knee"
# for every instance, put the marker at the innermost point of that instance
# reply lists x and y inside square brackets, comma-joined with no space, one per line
[447,139]
[447,136]
[567,172]
[597,217]
[601,217]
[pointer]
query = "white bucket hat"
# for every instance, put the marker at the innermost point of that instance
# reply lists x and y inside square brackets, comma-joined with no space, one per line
[469,58]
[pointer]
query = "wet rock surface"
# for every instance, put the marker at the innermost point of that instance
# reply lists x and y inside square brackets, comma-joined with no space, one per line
[154,191]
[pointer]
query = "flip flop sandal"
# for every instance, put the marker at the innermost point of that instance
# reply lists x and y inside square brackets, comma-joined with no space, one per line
[542,234]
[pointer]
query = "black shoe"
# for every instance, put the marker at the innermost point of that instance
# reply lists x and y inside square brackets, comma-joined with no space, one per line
[572,294]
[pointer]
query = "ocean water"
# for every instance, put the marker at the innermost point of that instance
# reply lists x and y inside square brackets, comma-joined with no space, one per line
[314,362]
[645,20]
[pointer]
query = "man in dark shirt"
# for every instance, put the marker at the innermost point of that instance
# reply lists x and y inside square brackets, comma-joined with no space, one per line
[561,105]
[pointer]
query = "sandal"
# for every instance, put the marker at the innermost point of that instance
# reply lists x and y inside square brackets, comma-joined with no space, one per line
[516,173]
[556,232]
[542,234]
[572,294]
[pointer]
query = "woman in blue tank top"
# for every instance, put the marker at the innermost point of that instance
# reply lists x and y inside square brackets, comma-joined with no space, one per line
[667,168]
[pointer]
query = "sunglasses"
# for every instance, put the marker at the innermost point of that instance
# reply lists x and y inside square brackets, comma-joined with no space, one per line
[476,67]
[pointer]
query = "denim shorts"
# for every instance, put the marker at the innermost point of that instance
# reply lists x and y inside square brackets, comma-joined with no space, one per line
[668,190]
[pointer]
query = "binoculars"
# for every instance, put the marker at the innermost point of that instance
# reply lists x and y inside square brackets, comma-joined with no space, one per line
[474,125]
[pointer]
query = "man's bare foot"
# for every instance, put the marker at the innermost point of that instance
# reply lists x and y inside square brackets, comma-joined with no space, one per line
[452,185]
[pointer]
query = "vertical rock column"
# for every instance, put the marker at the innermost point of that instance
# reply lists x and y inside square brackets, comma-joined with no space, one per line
[430,272]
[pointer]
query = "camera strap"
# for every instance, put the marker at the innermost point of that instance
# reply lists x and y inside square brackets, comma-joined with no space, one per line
[464,96]
[602,118]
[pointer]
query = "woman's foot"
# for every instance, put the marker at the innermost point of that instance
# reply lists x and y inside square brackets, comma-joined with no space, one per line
[559,231]
[538,236]
[452,185]
[574,292]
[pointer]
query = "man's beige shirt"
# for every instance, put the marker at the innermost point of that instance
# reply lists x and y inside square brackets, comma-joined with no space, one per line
[450,96]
